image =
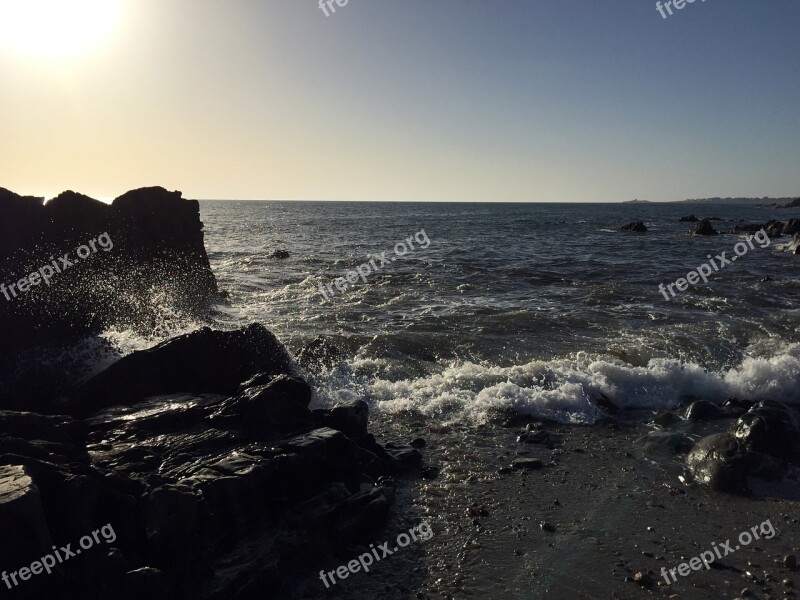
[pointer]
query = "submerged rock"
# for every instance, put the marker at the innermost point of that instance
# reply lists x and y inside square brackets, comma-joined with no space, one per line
[703,228]
[637,227]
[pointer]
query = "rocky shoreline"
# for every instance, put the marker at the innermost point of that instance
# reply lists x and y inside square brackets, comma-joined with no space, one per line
[220,480]
[211,495]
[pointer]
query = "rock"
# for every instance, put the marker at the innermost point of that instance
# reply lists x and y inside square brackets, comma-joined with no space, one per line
[637,227]
[22,518]
[752,228]
[527,463]
[703,228]
[220,507]
[545,526]
[149,583]
[57,429]
[535,437]
[349,418]
[256,380]
[173,517]
[793,204]
[719,461]
[689,219]
[280,254]
[790,561]
[677,443]
[418,443]
[395,457]
[318,353]
[403,456]
[279,406]
[204,361]
[666,419]
[703,410]
[792,227]
[643,579]
[146,240]
[725,463]
[771,428]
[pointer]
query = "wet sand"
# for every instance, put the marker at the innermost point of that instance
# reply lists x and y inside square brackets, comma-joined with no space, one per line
[602,508]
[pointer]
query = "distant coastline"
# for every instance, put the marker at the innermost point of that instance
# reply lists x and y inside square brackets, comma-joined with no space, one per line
[765,201]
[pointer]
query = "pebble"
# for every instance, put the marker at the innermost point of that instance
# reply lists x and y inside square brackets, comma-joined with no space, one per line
[790,561]
[527,463]
[547,527]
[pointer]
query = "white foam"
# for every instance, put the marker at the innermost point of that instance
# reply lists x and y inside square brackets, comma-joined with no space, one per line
[565,389]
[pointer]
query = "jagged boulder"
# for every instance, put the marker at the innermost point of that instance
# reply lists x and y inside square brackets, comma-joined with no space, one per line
[204,361]
[75,265]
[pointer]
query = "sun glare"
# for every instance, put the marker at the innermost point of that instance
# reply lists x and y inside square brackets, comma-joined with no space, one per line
[56,28]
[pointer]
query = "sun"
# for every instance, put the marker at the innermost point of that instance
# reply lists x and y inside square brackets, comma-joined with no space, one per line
[56,28]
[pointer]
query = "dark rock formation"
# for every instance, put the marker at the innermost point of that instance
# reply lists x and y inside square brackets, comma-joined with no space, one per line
[703,228]
[764,444]
[689,219]
[792,227]
[750,228]
[202,361]
[637,227]
[209,495]
[772,228]
[280,254]
[719,461]
[771,428]
[124,263]
[793,204]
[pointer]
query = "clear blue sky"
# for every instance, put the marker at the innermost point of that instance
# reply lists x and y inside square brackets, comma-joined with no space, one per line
[537,100]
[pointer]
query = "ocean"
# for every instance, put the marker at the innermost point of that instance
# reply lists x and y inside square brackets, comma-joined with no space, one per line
[540,308]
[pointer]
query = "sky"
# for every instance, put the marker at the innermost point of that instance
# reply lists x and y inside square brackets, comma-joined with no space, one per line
[396,100]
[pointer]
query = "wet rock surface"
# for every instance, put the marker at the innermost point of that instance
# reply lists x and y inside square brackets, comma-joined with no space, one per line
[762,443]
[75,267]
[202,361]
[154,246]
[211,495]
